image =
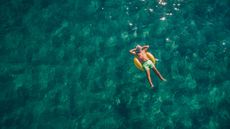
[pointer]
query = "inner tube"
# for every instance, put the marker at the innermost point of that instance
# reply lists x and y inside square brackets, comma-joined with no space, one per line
[138,64]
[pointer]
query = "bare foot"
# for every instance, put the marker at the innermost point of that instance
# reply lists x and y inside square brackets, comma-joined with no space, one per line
[152,87]
[164,80]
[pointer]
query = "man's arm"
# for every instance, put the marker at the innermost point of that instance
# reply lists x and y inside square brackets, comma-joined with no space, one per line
[132,51]
[145,48]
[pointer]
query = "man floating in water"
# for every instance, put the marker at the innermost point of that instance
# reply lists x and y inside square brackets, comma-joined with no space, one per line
[140,52]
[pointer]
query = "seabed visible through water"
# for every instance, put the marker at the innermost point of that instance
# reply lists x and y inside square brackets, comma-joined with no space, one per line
[65,64]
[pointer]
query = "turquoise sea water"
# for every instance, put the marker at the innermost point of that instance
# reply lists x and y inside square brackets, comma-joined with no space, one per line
[64,64]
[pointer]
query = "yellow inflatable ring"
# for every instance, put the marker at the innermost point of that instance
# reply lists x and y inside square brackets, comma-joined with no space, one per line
[138,63]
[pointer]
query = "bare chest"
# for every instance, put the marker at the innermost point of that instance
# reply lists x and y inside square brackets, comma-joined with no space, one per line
[142,57]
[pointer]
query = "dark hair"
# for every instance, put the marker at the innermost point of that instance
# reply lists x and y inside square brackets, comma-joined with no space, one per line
[138,50]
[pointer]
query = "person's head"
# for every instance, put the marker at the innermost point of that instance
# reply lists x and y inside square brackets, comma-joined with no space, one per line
[138,49]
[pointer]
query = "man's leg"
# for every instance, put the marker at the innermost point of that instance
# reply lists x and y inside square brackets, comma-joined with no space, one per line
[149,77]
[158,73]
